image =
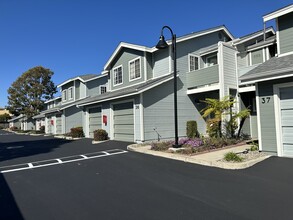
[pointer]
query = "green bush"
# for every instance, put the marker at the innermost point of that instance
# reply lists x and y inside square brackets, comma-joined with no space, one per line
[191,129]
[42,129]
[213,128]
[254,147]
[100,135]
[76,132]
[230,156]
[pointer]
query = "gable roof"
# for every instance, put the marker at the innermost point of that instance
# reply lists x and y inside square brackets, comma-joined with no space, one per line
[278,13]
[277,67]
[133,90]
[153,49]
[83,78]
[250,36]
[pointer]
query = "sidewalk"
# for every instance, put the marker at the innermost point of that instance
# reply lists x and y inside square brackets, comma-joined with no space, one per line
[207,159]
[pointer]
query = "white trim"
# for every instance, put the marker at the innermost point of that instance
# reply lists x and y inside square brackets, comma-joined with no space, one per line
[247,89]
[278,37]
[206,53]
[72,94]
[198,61]
[278,13]
[285,54]
[258,118]
[254,36]
[140,72]
[260,47]
[52,100]
[221,71]
[278,123]
[127,95]
[267,79]
[63,122]
[117,67]
[64,97]
[145,66]
[203,89]
[250,59]
[267,53]
[141,109]
[170,60]
[263,55]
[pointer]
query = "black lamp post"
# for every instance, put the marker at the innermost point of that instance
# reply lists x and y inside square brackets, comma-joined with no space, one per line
[162,44]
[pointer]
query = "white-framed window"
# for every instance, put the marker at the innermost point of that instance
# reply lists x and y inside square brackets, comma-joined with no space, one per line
[64,95]
[134,69]
[193,62]
[103,89]
[211,60]
[70,93]
[117,73]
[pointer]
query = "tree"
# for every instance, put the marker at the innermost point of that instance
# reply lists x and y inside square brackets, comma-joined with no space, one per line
[216,109]
[28,93]
[4,117]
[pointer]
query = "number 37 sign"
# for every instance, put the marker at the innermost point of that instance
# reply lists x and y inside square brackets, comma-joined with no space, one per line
[265,100]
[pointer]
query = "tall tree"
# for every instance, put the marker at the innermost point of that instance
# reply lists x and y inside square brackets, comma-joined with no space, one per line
[28,93]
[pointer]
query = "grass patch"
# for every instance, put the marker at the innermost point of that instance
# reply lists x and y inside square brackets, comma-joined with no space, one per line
[232,157]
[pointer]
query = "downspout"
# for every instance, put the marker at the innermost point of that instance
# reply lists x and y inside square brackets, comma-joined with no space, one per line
[264,31]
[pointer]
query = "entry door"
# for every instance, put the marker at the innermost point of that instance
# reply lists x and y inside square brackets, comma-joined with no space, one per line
[286,108]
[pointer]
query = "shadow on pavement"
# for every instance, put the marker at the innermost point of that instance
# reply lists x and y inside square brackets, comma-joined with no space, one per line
[26,148]
[9,208]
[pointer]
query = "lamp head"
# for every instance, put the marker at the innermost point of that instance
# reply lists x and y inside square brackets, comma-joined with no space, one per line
[162,44]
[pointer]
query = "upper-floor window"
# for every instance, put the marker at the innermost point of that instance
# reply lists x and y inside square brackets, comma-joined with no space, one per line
[193,63]
[70,93]
[117,72]
[103,89]
[211,60]
[134,69]
[64,95]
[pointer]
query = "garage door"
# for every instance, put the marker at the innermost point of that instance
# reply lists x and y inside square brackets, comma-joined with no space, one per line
[286,105]
[95,121]
[123,122]
[58,124]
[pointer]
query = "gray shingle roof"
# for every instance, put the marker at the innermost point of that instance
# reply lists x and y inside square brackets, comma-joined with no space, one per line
[133,90]
[87,76]
[277,66]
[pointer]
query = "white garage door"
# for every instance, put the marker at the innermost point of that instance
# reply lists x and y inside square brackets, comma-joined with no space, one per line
[123,122]
[95,120]
[286,107]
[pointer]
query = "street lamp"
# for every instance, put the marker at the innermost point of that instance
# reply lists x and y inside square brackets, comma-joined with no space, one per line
[162,44]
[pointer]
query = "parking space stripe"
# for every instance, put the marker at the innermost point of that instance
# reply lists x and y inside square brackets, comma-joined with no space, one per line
[70,159]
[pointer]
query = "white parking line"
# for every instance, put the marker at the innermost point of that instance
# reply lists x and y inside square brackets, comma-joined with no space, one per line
[45,163]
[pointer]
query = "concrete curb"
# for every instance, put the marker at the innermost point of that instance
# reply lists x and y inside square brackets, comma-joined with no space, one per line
[98,142]
[190,159]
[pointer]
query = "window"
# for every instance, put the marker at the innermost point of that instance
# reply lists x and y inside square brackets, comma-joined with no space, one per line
[64,95]
[134,69]
[117,75]
[211,60]
[193,63]
[103,89]
[70,93]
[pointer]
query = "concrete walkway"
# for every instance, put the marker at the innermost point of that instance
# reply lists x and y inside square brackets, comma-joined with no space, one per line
[208,159]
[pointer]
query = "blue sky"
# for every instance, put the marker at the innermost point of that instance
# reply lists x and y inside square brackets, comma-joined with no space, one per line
[75,37]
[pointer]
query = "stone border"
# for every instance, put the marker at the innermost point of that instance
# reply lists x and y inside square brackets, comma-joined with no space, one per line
[190,159]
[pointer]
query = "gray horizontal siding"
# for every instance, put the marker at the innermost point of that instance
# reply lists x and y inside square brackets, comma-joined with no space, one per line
[123,59]
[229,67]
[161,62]
[73,118]
[285,33]
[202,77]
[93,86]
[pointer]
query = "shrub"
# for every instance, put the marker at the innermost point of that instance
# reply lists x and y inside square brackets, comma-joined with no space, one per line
[42,129]
[254,147]
[76,132]
[100,135]
[14,128]
[230,156]
[162,146]
[191,129]
[213,128]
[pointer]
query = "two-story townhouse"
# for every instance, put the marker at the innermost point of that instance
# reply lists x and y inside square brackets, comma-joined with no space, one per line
[62,113]
[139,104]
[274,89]
[252,50]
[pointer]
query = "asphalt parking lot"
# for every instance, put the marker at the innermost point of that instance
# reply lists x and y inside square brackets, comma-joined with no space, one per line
[130,185]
